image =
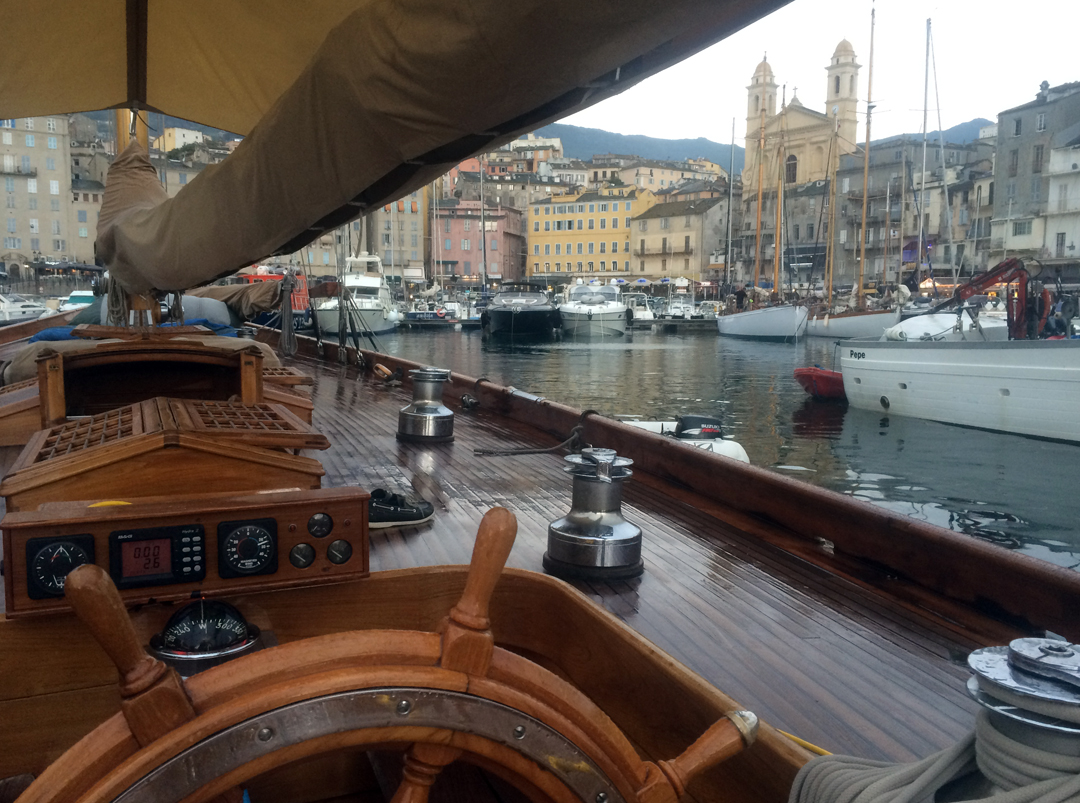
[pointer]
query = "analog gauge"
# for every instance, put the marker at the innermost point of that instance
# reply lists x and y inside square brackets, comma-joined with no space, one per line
[247,548]
[302,555]
[205,626]
[51,564]
[339,551]
[320,525]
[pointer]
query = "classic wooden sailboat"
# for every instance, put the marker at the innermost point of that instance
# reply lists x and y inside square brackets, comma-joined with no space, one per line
[764,586]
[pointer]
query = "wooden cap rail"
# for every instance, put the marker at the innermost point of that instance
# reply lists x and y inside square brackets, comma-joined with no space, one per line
[168,718]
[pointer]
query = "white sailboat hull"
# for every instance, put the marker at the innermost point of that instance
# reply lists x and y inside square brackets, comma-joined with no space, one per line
[609,323]
[1024,387]
[852,324]
[768,323]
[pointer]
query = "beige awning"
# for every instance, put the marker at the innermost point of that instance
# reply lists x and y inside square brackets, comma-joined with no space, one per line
[356,103]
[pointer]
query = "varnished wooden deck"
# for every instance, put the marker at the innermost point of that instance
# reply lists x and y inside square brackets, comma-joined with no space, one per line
[814,653]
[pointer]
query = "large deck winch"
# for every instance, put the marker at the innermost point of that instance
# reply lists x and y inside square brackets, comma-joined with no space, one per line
[594,541]
[427,419]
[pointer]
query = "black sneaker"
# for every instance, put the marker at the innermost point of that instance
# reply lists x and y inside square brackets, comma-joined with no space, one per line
[394,510]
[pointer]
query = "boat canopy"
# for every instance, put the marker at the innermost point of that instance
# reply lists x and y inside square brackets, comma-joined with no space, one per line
[345,105]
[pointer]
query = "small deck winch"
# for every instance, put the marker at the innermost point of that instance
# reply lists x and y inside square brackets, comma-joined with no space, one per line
[427,419]
[594,541]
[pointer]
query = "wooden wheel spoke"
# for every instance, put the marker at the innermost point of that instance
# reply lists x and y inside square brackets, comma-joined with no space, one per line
[423,763]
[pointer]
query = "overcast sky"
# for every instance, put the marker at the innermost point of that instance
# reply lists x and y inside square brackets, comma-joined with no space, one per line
[990,56]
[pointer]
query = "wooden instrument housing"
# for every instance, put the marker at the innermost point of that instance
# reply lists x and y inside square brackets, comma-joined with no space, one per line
[290,511]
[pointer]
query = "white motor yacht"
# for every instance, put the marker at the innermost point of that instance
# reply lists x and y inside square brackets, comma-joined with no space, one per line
[638,304]
[15,308]
[368,302]
[594,310]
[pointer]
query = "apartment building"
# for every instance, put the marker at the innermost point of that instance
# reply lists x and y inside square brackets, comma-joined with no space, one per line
[584,233]
[463,240]
[35,165]
[677,239]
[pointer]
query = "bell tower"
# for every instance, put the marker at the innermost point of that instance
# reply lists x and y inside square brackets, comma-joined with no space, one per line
[842,91]
[761,94]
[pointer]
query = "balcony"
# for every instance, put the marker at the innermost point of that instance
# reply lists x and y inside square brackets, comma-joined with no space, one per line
[665,251]
[1060,207]
[18,171]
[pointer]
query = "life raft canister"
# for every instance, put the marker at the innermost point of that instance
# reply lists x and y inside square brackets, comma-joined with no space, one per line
[440,312]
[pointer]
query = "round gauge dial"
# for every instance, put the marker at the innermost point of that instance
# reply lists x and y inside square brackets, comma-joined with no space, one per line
[51,564]
[248,549]
[205,626]
[320,525]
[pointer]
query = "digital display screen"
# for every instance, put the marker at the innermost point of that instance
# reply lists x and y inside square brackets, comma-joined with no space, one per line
[141,558]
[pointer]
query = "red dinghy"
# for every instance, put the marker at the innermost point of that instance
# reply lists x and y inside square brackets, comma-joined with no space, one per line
[821,383]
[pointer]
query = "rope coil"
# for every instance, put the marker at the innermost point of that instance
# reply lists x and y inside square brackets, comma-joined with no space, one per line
[1018,773]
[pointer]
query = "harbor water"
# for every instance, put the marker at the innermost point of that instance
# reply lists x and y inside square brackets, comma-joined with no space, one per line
[1014,491]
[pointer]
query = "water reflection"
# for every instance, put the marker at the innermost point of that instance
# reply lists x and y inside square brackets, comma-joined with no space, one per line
[1006,489]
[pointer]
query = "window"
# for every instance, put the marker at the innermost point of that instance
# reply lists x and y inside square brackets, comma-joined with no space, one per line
[591,245]
[51,143]
[29,140]
[592,223]
[34,226]
[31,185]
[845,184]
[35,244]
[1037,159]
[558,249]
[82,215]
[536,225]
[1040,121]
[628,223]
[82,231]
[1021,227]
[54,188]
[1014,161]
[54,205]
[536,211]
[468,225]
[494,245]
[1036,188]
[614,247]
[547,210]
[547,249]
[50,125]
[627,206]
[796,232]
[1017,127]
[467,246]
[791,169]
[183,178]
[843,236]
[6,137]
[809,231]
[603,222]
[663,264]
[26,164]
[50,163]
[1010,190]
[11,201]
[547,225]
[615,207]
[13,242]
[626,248]
[590,266]
[56,227]
[603,266]
[603,248]
[614,223]
[1059,243]
[447,244]
[643,225]
[641,265]
[663,222]
[579,247]
[536,250]
[579,266]
[11,224]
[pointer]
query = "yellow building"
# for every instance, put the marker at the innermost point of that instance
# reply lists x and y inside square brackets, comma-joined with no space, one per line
[173,138]
[583,234]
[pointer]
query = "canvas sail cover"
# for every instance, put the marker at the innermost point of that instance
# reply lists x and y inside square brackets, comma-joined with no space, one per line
[396,94]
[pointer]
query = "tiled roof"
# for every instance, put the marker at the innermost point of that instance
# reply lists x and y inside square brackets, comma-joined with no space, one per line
[679,208]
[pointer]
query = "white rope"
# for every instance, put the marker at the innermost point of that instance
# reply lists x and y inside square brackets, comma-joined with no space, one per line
[1021,774]
[116,304]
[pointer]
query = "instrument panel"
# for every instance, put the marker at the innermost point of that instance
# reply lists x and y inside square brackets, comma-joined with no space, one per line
[174,548]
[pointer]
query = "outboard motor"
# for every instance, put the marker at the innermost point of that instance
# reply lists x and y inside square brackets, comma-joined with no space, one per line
[427,419]
[593,541]
[698,428]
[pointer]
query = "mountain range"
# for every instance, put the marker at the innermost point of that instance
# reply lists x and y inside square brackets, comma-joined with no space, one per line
[584,143]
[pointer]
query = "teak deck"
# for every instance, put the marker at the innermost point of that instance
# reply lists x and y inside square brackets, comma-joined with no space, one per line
[812,653]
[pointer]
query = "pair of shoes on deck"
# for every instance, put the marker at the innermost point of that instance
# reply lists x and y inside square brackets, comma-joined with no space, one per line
[395,510]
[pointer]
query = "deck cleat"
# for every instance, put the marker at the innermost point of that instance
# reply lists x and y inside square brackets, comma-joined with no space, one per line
[427,419]
[594,541]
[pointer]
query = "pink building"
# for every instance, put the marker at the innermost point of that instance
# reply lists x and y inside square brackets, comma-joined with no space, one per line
[458,243]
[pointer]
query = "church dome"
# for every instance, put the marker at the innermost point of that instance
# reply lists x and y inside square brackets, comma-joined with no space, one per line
[844,49]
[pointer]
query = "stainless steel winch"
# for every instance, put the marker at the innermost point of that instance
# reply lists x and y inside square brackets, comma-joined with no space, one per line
[594,541]
[427,419]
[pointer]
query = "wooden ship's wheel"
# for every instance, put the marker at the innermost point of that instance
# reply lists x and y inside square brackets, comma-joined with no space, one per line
[440,697]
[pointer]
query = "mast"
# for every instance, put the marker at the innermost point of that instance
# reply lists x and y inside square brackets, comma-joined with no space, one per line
[830,249]
[483,232]
[944,174]
[888,236]
[866,169]
[760,197]
[903,205]
[730,197]
[922,187]
[778,241]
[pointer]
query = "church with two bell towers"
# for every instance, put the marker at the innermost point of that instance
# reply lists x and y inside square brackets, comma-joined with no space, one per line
[798,136]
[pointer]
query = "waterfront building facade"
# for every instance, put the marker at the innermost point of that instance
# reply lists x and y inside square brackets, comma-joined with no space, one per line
[462,241]
[584,234]
[671,240]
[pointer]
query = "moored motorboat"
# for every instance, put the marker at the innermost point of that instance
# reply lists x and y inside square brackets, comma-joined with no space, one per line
[520,308]
[368,305]
[593,310]
[15,308]
[698,431]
